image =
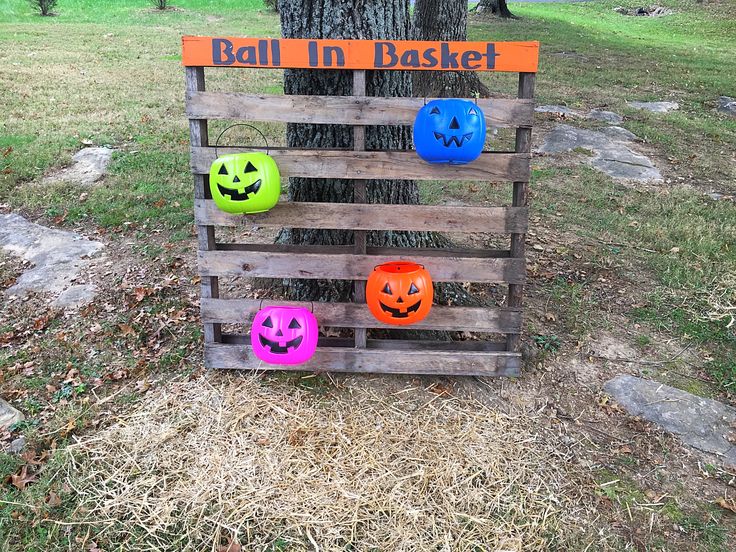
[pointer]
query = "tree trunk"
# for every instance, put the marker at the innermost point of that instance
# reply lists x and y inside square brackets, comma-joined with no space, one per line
[444,20]
[495,7]
[380,19]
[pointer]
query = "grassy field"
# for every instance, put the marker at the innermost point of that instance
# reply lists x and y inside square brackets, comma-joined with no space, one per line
[108,73]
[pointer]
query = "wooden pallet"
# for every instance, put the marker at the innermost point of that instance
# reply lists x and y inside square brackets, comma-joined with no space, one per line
[355,262]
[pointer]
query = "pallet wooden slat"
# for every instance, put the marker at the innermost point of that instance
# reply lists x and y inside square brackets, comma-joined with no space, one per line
[352,315]
[260,262]
[345,216]
[341,110]
[347,359]
[372,165]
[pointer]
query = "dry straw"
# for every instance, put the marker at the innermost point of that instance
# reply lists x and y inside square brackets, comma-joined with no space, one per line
[279,467]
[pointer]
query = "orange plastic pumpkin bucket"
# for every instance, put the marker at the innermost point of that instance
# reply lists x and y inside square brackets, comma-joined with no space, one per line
[399,293]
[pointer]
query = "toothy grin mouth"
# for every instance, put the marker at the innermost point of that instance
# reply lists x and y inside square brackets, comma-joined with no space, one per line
[235,195]
[457,140]
[396,313]
[280,349]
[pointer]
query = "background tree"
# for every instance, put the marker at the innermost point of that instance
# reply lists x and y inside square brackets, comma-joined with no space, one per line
[43,7]
[496,7]
[362,19]
[444,20]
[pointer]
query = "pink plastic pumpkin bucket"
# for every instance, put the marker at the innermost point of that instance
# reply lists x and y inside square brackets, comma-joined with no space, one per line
[284,335]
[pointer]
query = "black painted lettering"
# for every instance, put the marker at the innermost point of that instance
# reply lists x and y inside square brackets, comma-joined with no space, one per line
[429,57]
[410,58]
[247,55]
[313,53]
[381,49]
[491,55]
[327,53]
[448,58]
[220,47]
[469,57]
[276,53]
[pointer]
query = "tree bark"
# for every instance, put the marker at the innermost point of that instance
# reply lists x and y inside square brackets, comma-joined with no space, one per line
[495,7]
[363,19]
[444,20]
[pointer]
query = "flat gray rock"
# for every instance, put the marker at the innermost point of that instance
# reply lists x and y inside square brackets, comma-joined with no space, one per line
[618,133]
[655,107]
[727,105]
[702,423]
[605,116]
[611,154]
[8,414]
[58,258]
[89,165]
[558,109]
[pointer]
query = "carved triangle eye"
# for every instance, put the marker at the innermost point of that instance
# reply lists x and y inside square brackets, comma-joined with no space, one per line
[387,290]
[249,168]
[223,170]
[294,325]
[267,323]
[472,111]
[435,111]
[413,289]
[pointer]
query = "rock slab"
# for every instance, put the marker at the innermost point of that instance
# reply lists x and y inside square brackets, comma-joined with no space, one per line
[612,155]
[557,109]
[89,165]
[701,423]
[8,414]
[58,258]
[727,105]
[655,107]
[605,116]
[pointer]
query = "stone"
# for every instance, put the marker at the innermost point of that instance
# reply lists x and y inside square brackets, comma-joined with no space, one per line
[75,296]
[605,116]
[17,446]
[611,155]
[58,258]
[618,133]
[655,107]
[8,414]
[701,423]
[89,165]
[558,109]
[727,105]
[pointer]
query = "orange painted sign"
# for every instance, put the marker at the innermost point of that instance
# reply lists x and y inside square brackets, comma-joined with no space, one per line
[402,55]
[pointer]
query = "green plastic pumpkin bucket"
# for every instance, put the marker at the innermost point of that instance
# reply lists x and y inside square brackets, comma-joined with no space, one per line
[244,183]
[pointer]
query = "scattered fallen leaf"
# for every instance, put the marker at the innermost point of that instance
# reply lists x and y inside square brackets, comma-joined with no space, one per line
[160,203]
[125,329]
[675,250]
[232,546]
[441,390]
[141,293]
[53,500]
[22,478]
[727,504]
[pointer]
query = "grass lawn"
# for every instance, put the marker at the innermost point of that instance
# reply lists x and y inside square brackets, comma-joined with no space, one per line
[109,73]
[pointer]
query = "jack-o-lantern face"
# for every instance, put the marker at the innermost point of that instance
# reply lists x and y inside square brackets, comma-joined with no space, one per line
[284,335]
[245,182]
[449,131]
[399,293]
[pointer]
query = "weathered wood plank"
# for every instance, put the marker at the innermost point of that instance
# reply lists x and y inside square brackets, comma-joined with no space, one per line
[255,261]
[352,315]
[360,193]
[398,361]
[520,199]
[338,216]
[370,165]
[341,110]
[194,78]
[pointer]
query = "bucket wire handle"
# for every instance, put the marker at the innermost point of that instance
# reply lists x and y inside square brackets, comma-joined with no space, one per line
[217,141]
